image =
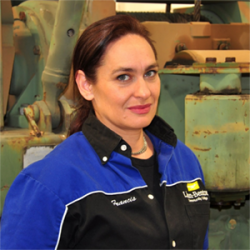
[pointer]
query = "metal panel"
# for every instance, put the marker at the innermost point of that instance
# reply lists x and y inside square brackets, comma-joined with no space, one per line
[217,130]
[229,227]
[171,106]
[34,154]
[7,53]
[1,77]
[14,143]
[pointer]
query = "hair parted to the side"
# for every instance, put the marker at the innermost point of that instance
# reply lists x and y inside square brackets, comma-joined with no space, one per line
[90,49]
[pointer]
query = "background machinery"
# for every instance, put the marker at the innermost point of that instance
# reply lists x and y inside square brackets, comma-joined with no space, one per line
[204,58]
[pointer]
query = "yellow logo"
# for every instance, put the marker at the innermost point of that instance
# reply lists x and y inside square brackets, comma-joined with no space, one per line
[193,186]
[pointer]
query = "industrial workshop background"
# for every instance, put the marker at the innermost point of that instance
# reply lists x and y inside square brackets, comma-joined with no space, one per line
[204,60]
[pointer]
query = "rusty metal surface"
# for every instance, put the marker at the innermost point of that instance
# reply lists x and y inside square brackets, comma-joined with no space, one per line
[44,122]
[217,130]
[30,115]
[14,143]
[32,35]
[55,76]
[209,62]
[7,52]
[1,77]
[6,55]
[207,68]
[229,228]
[219,55]
[220,83]
[67,113]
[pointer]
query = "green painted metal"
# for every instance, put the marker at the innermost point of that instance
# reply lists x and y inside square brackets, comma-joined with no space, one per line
[245,84]
[33,34]
[220,83]
[174,89]
[56,73]
[207,77]
[7,51]
[14,143]
[229,227]
[208,68]
[32,92]
[171,106]
[1,76]
[32,38]
[217,130]
[35,41]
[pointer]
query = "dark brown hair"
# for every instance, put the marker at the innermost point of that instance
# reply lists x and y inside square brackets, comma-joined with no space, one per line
[90,49]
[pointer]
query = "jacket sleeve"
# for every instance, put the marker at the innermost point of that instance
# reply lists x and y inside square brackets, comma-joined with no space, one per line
[206,240]
[31,216]
[206,244]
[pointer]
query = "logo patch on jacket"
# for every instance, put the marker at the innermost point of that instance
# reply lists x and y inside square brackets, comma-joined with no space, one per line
[193,186]
[194,193]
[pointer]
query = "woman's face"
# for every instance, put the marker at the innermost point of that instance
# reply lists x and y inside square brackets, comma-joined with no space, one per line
[125,95]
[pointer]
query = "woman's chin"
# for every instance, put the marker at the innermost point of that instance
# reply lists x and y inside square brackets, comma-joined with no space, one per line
[141,123]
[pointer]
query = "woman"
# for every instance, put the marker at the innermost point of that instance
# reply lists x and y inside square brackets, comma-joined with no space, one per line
[122,179]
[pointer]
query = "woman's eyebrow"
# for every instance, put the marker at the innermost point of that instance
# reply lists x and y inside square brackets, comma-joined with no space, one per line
[124,69]
[154,65]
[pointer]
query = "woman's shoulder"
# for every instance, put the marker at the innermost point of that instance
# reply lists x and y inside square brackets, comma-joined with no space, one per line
[61,153]
[184,151]
[63,168]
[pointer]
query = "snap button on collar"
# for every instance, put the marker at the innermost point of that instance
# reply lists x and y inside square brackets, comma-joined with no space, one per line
[105,158]
[150,196]
[124,147]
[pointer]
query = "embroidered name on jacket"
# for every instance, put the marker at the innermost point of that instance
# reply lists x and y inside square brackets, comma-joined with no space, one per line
[196,195]
[119,203]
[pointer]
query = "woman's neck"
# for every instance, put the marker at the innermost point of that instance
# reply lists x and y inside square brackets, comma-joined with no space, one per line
[136,142]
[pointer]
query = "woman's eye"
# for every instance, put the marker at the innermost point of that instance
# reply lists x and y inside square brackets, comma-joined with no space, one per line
[123,78]
[150,73]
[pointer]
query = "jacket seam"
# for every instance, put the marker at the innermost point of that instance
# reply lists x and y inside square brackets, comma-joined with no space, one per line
[178,182]
[61,226]
[40,183]
[106,193]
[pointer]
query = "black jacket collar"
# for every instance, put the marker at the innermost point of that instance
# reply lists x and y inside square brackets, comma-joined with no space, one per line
[105,141]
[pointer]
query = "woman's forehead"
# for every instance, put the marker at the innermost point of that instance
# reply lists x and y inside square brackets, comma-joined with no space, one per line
[128,39]
[128,51]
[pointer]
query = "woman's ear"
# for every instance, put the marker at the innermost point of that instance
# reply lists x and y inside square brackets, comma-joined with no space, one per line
[84,86]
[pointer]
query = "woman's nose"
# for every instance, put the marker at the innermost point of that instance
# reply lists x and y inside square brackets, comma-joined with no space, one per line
[142,89]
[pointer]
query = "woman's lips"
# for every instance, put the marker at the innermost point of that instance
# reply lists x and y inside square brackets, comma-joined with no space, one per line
[140,109]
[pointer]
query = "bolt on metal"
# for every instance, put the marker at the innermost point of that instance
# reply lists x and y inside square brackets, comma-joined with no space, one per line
[232,224]
[180,46]
[70,32]
[211,60]
[230,59]
[22,16]
[21,108]
[36,50]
